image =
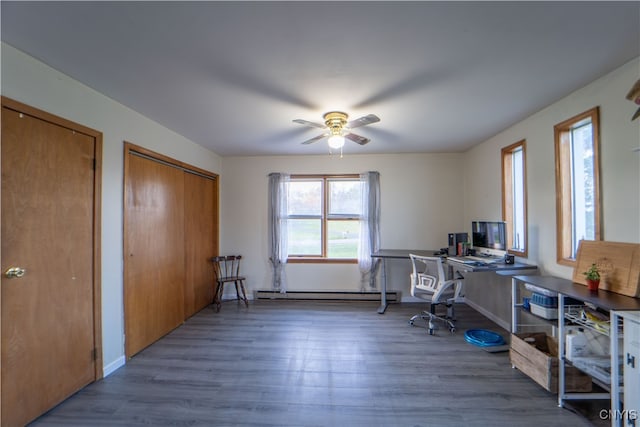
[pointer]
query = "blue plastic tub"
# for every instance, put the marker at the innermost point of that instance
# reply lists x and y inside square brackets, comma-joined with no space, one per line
[544,300]
[483,338]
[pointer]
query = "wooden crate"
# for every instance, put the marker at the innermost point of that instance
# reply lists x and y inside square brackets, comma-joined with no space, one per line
[620,263]
[540,363]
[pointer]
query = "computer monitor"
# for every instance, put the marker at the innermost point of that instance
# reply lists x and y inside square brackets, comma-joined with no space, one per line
[489,235]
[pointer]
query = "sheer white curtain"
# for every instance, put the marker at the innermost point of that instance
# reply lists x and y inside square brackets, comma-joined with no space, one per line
[369,228]
[278,250]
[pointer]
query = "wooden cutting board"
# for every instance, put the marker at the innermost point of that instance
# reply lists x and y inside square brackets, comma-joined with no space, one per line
[619,264]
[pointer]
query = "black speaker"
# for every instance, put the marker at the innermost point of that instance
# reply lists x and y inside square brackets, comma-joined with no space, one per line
[509,259]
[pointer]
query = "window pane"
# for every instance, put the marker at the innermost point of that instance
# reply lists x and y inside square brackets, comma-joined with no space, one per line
[305,197]
[342,239]
[518,238]
[514,197]
[583,185]
[344,197]
[324,217]
[305,237]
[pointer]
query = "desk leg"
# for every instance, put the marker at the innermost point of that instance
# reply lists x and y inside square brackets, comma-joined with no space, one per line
[514,302]
[383,290]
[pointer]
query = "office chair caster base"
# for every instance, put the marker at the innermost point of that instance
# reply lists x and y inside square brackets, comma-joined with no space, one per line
[432,327]
[417,316]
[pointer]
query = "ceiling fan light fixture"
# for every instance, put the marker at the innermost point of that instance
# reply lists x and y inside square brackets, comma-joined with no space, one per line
[335,123]
[335,120]
[336,141]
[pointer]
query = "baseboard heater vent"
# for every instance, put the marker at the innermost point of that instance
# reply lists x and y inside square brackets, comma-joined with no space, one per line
[327,296]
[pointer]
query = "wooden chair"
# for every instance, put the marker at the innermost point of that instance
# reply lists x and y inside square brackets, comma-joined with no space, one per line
[227,269]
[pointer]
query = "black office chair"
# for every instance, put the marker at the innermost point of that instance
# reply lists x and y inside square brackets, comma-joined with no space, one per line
[429,282]
[227,269]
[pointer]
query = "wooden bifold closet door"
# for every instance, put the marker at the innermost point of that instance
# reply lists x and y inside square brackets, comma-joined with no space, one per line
[170,235]
[200,208]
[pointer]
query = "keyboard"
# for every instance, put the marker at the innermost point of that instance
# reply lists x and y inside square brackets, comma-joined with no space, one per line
[473,259]
[486,260]
[462,260]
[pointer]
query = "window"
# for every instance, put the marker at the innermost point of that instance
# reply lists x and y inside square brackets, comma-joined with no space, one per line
[514,197]
[324,217]
[577,183]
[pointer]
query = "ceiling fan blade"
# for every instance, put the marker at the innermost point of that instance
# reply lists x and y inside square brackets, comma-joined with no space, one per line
[308,123]
[357,138]
[365,120]
[315,138]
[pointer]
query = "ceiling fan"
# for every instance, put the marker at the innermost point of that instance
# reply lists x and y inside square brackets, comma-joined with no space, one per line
[336,123]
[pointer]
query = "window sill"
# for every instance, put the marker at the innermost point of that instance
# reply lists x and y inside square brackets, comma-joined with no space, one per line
[520,254]
[569,262]
[312,260]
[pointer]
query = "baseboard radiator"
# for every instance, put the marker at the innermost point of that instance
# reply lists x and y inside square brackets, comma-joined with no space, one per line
[392,296]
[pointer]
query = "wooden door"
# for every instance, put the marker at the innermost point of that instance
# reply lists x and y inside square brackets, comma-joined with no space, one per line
[200,240]
[154,248]
[50,218]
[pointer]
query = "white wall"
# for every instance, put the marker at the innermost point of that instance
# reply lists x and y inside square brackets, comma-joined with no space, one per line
[31,82]
[420,204]
[620,167]
[424,196]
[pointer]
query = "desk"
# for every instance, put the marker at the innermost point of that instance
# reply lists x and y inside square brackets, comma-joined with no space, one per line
[498,267]
[385,254]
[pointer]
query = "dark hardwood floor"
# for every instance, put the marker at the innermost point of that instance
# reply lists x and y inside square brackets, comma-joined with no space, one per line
[301,363]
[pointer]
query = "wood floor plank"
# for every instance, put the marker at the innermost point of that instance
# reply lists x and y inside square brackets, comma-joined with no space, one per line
[302,363]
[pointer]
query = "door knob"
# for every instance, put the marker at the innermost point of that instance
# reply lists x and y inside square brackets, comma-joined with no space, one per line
[14,272]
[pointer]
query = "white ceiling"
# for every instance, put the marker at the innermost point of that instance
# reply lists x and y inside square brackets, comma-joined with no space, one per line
[232,76]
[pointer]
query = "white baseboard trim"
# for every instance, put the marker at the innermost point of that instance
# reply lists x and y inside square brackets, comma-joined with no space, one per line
[489,315]
[392,296]
[113,366]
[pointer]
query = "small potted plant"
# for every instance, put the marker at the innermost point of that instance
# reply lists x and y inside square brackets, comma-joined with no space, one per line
[593,277]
